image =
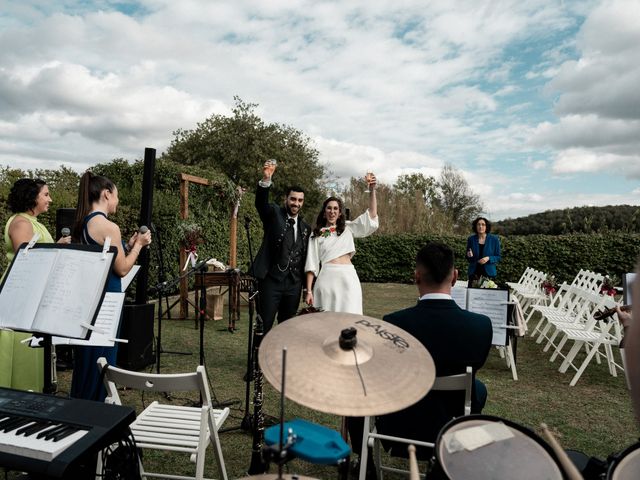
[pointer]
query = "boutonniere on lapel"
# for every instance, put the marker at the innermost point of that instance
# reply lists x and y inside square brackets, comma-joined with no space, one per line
[327,231]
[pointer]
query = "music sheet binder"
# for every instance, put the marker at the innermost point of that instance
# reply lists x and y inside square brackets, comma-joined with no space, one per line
[55,289]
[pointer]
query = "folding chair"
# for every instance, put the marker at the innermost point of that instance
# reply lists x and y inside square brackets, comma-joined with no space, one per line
[371,438]
[171,427]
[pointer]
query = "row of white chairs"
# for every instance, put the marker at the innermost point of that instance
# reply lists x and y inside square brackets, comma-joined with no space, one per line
[567,318]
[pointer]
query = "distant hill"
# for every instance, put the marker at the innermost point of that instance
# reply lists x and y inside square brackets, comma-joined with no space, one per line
[612,218]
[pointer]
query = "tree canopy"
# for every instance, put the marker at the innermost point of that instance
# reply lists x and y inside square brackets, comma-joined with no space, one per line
[612,218]
[239,144]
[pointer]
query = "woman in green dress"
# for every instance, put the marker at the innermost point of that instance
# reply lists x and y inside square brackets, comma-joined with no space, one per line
[22,367]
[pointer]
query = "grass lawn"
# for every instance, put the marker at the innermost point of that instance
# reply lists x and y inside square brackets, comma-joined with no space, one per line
[594,416]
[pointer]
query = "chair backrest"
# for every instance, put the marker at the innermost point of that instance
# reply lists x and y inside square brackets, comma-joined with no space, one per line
[152,382]
[462,381]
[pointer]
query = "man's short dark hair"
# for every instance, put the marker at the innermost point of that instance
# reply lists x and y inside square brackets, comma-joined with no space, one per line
[435,262]
[293,188]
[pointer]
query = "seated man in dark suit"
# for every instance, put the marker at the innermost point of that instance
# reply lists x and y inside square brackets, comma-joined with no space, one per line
[455,338]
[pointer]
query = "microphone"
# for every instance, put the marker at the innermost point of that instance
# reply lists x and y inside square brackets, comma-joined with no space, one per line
[142,230]
[65,232]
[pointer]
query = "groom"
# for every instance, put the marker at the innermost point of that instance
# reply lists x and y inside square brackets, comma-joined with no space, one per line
[279,264]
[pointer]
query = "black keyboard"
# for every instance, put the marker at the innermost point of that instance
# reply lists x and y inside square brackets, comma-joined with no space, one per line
[51,435]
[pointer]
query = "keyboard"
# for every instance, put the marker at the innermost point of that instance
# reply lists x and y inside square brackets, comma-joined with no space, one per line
[51,435]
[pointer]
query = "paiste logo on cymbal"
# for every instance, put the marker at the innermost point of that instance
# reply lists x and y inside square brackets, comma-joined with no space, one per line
[400,343]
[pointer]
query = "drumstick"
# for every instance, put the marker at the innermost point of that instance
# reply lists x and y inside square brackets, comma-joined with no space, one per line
[414,474]
[569,468]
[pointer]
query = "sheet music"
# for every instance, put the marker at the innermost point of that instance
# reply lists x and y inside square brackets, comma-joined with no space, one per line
[128,278]
[72,295]
[459,295]
[22,290]
[492,303]
[54,289]
[107,324]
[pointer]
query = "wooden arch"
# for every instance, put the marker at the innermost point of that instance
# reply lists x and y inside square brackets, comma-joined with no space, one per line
[185,181]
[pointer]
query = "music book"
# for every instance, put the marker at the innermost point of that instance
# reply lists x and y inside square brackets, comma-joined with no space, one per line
[493,303]
[55,289]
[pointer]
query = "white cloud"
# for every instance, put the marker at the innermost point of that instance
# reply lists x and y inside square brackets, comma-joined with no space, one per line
[599,99]
[397,87]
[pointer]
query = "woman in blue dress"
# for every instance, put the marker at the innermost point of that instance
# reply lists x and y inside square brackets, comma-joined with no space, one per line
[97,199]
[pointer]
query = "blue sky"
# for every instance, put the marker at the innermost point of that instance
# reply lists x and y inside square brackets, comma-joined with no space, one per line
[536,102]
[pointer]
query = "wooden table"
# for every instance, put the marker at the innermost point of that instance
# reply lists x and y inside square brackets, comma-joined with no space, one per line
[230,278]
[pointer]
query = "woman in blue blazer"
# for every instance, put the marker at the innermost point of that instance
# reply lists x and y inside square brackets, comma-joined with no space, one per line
[483,251]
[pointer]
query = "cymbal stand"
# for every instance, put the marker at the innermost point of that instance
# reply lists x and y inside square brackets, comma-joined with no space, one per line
[280,453]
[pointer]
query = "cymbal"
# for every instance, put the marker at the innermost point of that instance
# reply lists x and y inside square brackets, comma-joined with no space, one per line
[394,370]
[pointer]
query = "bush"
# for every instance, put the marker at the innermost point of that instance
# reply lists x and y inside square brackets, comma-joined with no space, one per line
[386,258]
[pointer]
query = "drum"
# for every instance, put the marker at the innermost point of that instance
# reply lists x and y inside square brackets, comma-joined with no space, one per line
[522,456]
[626,465]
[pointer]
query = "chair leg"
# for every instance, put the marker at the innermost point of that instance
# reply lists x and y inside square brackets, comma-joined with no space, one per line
[582,368]
[550,340]
[570,356]
[511,362]
[558,348]
[217,451]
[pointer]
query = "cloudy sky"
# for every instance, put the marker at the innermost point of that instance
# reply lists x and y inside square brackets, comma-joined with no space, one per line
[537,102]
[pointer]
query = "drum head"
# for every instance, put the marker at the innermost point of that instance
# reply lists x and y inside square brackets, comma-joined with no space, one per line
[524,456]
[627,465]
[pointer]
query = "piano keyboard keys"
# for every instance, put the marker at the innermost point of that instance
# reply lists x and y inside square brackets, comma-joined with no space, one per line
[39,439]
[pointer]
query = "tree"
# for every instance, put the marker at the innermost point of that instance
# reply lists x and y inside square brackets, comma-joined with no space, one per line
[416,183]
[456,199]
[238,145]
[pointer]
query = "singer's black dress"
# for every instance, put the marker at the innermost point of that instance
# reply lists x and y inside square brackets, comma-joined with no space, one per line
[85,382]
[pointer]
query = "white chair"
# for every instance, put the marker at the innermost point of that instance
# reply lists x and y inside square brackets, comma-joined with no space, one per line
[171,427]
[371,438]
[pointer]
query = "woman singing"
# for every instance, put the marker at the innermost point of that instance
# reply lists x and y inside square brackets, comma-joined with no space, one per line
[97,199]
[331,246]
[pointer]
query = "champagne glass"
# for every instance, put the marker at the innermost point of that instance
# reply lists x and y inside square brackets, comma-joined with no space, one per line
[368,178]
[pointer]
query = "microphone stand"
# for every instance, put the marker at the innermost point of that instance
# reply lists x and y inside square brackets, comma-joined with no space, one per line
[162,272]
[162,289]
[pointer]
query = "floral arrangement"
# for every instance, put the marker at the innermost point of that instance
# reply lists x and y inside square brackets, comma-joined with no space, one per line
[190,238]
[327,231]
[607,287]
[549,285]
[484,282]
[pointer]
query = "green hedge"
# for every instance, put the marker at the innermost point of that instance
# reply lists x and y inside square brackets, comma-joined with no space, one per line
[382,258]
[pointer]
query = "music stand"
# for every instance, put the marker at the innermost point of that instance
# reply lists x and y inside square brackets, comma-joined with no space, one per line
[55,290]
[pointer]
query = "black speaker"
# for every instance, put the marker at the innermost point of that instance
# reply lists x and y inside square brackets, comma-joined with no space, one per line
[137,328]
[65,218]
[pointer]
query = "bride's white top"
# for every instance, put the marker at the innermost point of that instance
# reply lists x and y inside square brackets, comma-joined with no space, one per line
[323,249]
